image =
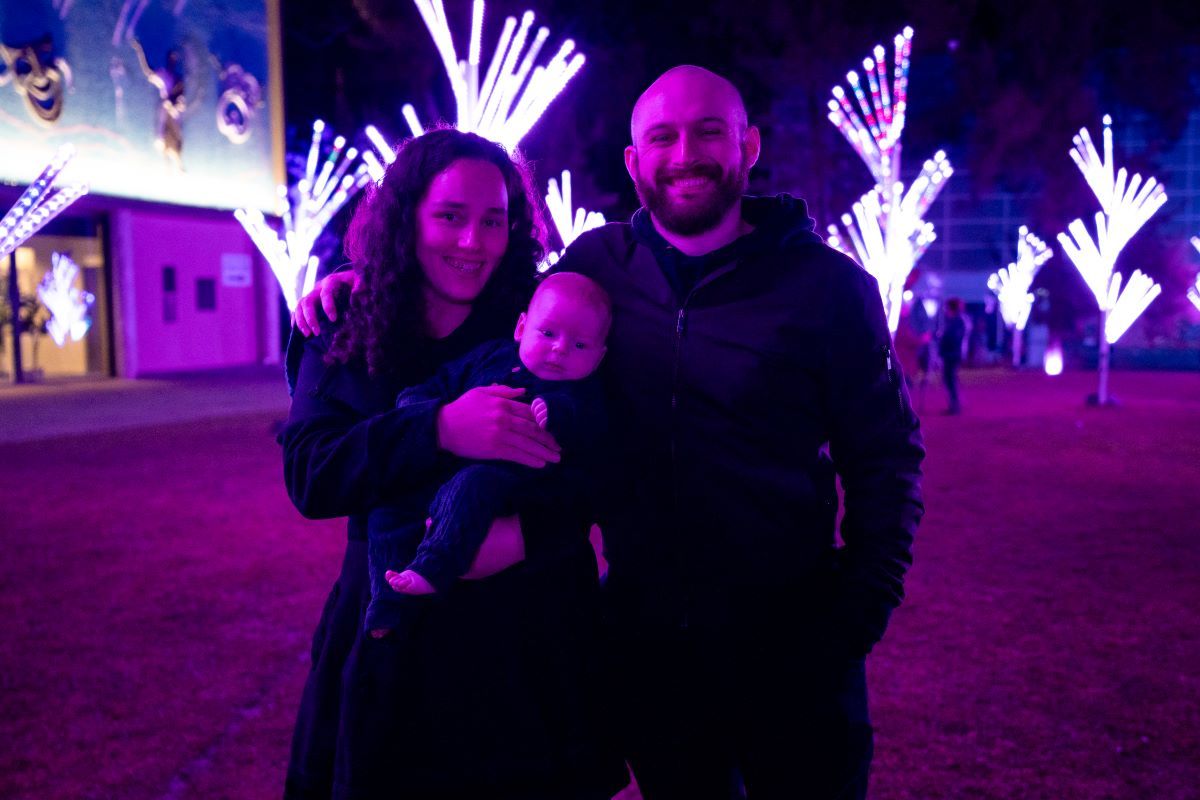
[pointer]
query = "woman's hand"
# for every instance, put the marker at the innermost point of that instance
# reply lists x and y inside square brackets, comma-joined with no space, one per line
[503,547]
[486,424]
[326,294]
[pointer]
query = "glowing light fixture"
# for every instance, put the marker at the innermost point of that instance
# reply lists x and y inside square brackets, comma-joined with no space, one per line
[1054,360]
[1126,203]
[70,308]
[513,94]
[887,231]
[328,183]
[1011,285]
[1193,292]
[41,202]
[569,223]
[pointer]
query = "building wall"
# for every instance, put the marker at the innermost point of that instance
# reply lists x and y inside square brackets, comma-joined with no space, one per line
[164,330]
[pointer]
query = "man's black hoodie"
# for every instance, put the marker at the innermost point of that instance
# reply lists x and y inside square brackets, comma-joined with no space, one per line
[738,382]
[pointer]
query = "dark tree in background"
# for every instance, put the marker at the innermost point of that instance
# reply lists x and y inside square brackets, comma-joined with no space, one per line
[1002,86]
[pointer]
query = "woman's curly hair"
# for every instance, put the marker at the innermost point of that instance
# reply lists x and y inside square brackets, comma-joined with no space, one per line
[387,314]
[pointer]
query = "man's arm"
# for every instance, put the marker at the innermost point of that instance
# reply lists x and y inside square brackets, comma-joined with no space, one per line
[875,441]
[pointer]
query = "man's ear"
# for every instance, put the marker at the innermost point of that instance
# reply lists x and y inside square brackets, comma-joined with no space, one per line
[631,162]
[520,331]
[751,146]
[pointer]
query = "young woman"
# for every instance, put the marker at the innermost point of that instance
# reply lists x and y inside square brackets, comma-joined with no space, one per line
[493,694]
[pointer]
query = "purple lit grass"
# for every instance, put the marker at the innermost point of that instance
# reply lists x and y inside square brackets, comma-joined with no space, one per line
[159,594]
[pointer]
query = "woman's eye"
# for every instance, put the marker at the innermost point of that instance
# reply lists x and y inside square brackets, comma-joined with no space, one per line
[449,216]
[494,223]
[580,346]
[547,333]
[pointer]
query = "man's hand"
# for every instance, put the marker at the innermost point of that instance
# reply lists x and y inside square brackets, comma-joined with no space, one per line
[326,293]
[541,414]
[486,424]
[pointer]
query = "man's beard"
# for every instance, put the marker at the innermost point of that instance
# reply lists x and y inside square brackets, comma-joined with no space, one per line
[692,218]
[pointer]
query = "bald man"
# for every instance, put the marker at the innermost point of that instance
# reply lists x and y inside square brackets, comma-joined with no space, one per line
[748,364]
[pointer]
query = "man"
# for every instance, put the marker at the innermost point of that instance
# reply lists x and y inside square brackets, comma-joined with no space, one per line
[747,364]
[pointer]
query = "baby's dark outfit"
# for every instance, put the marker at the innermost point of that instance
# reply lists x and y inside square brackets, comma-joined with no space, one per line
[464,497]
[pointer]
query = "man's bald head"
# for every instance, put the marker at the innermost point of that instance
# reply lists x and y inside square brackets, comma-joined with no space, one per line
[680,83]
[692,151]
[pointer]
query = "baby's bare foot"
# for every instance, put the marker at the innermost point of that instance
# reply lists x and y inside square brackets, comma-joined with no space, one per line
[409,582]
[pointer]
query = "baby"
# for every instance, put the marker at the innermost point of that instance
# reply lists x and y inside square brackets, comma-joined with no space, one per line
[559,342]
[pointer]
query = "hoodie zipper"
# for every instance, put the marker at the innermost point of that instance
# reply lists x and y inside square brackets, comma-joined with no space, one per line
[680,328]
[681,331]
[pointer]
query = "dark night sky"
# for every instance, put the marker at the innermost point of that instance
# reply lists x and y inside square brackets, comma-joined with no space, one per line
[1002,86]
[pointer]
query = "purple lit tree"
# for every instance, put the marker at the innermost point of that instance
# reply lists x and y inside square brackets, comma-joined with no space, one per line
[1126,203]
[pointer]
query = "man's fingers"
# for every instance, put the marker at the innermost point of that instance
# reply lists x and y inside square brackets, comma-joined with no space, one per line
[532,429]
[308,310]
[498,390]
[532,447]
[329,301]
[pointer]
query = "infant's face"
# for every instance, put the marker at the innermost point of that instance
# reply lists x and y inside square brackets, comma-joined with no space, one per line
[561,336]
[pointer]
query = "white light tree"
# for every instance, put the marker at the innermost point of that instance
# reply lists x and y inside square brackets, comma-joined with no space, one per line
[1011,285]
[513,94]
[1193,292]
[569,223]
[1126,203]
[70,307]
[887,229]
[308,207]
[506,103]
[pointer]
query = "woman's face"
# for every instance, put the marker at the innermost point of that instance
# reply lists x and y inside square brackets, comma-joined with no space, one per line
[462,230]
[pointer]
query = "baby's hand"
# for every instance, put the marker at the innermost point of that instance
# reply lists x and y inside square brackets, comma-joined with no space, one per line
[408,582]
[541,413]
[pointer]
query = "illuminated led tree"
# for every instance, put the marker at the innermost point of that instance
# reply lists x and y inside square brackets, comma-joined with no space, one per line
[569,223]
[1126,203]
[41,202]
[1011,285]
[1194,290]
[308,207]
[70,307]
[887,229]
[512,94]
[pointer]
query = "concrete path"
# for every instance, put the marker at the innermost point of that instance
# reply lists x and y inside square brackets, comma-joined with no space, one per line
[62,408]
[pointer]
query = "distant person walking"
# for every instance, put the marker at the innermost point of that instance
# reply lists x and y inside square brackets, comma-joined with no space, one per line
[950,349]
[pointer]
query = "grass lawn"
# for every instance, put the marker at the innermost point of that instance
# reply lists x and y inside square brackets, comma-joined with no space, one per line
[158,592]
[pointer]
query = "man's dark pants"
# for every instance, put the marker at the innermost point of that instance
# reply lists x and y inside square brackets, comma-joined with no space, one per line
[764,703]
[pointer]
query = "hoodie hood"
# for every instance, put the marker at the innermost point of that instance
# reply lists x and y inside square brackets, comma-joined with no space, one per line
[778,221]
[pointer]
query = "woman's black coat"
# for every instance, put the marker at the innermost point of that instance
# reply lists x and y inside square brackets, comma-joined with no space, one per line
[496,692]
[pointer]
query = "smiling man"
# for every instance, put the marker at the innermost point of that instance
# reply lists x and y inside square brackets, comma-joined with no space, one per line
[748,364]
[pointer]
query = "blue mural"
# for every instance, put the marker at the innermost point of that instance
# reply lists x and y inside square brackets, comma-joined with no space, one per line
[166,100]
